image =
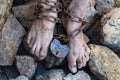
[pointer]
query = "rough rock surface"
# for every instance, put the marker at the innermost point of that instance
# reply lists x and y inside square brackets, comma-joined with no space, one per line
[26,65]
[10,38]
[5,6]
[51,61]
[20,2]
[20,78]
[55,74]
[25,13]
[90,11]
[111,29]
[89,17]
[104,63]
[80,75]
[117,2]
[104,6]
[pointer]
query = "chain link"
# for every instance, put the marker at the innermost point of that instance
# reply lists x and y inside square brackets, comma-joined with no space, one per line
[55,8]
[67,12]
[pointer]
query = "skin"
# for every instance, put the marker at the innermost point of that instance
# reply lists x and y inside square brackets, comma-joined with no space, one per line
[79,51]
[41,34]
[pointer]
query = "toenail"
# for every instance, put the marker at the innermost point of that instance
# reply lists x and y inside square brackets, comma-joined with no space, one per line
[74,70]
[41,58]
[79,67]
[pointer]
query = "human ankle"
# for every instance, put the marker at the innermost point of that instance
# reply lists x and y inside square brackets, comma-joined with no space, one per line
[48,9]
[78,8]
[73,27]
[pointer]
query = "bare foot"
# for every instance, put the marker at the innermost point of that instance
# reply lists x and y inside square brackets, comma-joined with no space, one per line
[79,51]
[41,33]
[39,38]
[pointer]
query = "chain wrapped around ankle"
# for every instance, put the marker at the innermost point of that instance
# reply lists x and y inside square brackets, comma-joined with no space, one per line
[69,14]
[73,18]
[40,10]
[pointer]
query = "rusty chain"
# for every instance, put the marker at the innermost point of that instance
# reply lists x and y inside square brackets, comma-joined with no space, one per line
[57,7]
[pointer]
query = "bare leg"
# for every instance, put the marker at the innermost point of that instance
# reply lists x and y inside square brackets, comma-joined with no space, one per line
[79,51]
[41,34]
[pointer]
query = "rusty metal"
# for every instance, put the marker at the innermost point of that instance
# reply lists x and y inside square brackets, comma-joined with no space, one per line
[55,8]
[58,7]
[63,39]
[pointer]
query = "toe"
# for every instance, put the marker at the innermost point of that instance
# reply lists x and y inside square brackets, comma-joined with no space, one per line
[85,57]
[32,42]
[37,50]
[29,38]
[87,50]
[43,54]
[72,63]
[84,60]
[33,49]
[79,62]
[44,49]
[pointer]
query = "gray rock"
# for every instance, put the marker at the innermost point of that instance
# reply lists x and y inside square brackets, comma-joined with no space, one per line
[55,74]
[104,6]
[10,39]
[90,11]
[80,75]
[89,17]
[51,61]
[5,6]
[111,29]
[104,63]
[20,2]
[25,13]
[94,32]
[117,3]
[11,72]
[21,78]
[26,65]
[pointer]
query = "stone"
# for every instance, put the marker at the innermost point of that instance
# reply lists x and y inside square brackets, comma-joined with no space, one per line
[89,17]
[21,78]
[20,2]
[90,11]
[3,76]
[25,13]
[80,75]
[51,61]
[10,39]
[94,31]
[55,74]
[104,6]
[117,2]
[111,30]
[11,72]
[26,65]
[104,63]
[5,6]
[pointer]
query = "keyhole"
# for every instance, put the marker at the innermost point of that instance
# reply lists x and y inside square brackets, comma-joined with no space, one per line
[57,52]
